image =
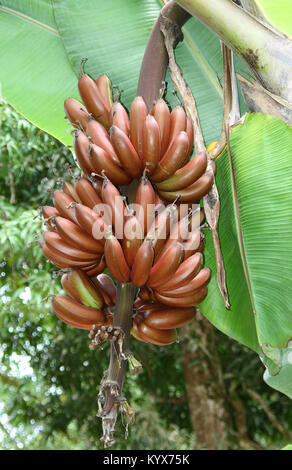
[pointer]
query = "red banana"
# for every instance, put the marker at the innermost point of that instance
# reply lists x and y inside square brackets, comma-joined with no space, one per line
[161,113]
[159,337]
[185,272]
[115,259]
[186,301]
[186,175]
[95,269]
[126,152]
[76,236]
[115,202]
[69,189]
[178,123]
[190,132]
[132,239]
[193,244]
[103,163]
[145,203]
[173,159]
[151,145]
[56,243]
[106,287]
[119,117]
[82,148]
[138,113]
[92,223]
[76,312]
[76,113]
[167,265]
[104,86]
[92,98]
[191,193]
[65,205]
[61,261]
[86,193]
[49,213]
[142,264]
[168,317]
[99,136]
[200,280]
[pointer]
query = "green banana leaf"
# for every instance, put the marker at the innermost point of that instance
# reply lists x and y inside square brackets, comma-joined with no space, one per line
[44,42]
[255,229]
[278,14]
[35,74]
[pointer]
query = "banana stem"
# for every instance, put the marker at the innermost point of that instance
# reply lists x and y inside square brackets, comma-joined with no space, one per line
[113,383]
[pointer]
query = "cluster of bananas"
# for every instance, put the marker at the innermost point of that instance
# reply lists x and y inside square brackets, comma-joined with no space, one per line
[108,140]
[155,246]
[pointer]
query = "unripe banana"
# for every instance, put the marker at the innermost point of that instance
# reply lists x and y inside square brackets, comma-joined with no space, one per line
[80,288]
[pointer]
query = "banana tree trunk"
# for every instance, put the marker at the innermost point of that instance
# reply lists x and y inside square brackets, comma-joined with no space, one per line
[209,413]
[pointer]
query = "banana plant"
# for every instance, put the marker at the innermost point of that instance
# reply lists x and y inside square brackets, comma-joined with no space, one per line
[42,45]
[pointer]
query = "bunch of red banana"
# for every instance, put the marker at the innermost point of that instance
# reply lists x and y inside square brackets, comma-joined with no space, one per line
[162,257]
[69,243]
[156,323]
[109,141]
[89,300]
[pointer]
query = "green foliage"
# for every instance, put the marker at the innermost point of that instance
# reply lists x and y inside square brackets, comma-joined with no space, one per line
[255,231]
[29,160]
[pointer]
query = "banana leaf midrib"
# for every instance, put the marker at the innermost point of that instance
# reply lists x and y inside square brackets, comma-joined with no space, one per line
[239,229]
[29,19]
